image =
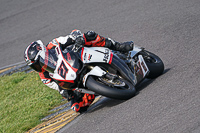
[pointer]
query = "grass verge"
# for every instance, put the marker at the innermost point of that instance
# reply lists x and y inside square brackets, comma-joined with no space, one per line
[24,100]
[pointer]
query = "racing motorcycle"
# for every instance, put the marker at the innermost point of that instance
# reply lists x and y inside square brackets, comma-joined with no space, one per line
[101,71]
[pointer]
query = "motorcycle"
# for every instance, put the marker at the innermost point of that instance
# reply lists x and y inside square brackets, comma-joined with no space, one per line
[101,71]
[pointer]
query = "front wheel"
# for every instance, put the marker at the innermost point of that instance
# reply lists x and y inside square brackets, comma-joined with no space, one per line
[154,63]
[117,89]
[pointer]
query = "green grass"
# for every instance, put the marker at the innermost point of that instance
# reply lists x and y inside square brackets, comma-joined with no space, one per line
[24,100]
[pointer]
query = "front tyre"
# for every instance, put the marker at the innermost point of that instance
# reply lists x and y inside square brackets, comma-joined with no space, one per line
[154,63]
[124,90]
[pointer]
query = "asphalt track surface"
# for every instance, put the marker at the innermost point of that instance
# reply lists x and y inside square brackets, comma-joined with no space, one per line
[169,28]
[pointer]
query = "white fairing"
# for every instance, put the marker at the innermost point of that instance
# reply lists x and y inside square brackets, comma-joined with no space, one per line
[63,71]
[96,54]
[135,50]
[97,71]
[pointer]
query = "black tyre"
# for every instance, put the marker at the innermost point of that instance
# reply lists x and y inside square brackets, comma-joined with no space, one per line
[154,63]
[117,92]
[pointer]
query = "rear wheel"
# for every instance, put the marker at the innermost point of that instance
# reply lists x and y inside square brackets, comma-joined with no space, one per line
[116,88]
[154,63]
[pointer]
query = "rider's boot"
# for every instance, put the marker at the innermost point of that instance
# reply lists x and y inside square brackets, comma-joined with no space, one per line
[122,47]
[81,103]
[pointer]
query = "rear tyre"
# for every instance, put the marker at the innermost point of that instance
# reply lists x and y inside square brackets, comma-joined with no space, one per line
[154,63]
[112,91]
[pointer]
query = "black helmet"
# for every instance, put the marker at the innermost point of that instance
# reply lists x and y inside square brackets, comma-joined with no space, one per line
[32,55]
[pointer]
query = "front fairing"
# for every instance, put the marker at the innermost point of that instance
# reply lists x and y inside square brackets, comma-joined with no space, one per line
[73,59]
[48,60]
[63,65]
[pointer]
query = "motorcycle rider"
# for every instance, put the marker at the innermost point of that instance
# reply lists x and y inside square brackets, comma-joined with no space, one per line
[79,101]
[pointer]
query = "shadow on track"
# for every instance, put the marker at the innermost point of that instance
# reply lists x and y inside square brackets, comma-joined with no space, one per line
[108,102]
[147,82]
[104,102]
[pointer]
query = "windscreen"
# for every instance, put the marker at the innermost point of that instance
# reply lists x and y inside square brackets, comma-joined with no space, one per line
[48,60]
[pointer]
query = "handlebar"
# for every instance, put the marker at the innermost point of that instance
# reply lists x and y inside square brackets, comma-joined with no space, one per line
[76,47]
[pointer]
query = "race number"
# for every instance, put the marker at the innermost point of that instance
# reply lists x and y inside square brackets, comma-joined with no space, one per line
[62,71]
